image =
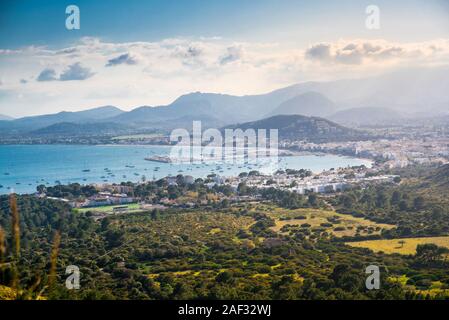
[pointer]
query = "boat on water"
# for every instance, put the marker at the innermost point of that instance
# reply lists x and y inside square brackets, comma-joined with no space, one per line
[161,159]
[86,170]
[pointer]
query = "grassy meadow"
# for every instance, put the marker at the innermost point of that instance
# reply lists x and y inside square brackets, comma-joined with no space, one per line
[405,246]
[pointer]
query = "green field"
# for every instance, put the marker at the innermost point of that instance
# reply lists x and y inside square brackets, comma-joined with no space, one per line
[394,246]
[132,207]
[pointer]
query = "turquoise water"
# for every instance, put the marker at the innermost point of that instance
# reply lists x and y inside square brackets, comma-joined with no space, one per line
[23,167]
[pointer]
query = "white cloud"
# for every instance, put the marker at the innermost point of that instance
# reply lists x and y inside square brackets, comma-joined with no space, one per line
[154,73]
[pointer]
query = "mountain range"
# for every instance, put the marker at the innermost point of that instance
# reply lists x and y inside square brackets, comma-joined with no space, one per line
[370,101]
[29,124]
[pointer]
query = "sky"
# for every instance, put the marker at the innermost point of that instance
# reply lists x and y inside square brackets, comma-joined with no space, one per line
[135,52]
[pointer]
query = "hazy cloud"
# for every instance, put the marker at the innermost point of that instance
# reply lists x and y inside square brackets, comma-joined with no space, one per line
[233,54]
[319,52]
[122,59]
[47,74]
[364,51]
[76,72]
[189,51]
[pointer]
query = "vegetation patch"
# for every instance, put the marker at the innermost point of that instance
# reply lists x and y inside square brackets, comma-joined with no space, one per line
[337,224]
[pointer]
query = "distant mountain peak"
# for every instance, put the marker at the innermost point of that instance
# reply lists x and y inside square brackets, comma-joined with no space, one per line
[101,112]
[310,103]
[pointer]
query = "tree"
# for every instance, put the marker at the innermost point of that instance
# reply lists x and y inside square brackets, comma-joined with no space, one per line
[395,197]
[105,223]
[382,200]
[242,188]
[430,253]
[403,205]
[224,277]
[437,212]
[313,200]
[345,278]
[419,203]
[348,201]
[115,237]
[155,214]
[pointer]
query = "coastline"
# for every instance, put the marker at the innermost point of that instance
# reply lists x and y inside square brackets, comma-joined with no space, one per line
[52,164]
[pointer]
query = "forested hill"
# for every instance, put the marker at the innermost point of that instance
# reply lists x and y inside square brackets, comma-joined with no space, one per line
[297,127]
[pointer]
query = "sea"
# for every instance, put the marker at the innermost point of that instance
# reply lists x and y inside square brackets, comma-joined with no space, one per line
[24,167]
